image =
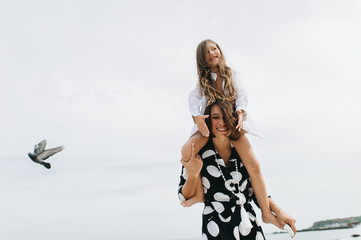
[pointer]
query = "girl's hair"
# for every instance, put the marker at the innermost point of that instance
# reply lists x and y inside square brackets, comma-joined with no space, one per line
[208,86]
[229,117]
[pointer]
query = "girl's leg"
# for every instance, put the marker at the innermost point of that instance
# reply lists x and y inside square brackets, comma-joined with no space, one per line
[245,151]
[199,142]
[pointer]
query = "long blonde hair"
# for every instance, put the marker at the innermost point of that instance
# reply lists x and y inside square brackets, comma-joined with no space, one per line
[207,85]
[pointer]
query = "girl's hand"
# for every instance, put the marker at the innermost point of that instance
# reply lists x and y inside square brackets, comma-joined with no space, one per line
[200,121]
[240,120]
[194,165]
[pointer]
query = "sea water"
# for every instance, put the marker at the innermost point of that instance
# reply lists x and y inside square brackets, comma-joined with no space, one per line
[339,234]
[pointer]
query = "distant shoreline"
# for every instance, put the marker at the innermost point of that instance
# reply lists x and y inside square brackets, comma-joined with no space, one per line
[317,229]
[331,224]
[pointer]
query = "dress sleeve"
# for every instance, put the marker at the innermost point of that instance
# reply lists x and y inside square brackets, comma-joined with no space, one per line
[183,178]
[194,101]
[241,100]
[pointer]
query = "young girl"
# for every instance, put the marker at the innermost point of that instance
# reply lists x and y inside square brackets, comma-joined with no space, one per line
[216,81]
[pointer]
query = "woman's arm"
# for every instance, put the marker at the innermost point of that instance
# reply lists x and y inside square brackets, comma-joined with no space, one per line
[193,165]
[193,168]
[282,217]
[198,197]
[245,151]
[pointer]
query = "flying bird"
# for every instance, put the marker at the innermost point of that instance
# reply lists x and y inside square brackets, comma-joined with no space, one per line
[40,154]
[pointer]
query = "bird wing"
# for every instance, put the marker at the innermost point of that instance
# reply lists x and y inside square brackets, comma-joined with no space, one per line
[38,148]
[49,152]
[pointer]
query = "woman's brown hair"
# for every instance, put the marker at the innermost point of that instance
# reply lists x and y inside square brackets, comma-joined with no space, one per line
[229,117]
[208,86]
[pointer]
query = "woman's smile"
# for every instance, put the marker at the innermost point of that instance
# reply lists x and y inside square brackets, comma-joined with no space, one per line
[224,129]
[219,126]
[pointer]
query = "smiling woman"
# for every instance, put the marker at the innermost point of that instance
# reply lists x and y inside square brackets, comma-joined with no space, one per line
[222,121]
[227,188]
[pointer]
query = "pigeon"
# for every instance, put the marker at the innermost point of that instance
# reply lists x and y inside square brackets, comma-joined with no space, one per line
[40,154]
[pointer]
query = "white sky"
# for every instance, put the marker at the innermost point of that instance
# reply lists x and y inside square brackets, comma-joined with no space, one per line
[110,81]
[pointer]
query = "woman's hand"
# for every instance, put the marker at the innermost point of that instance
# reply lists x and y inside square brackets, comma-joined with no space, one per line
[194,165]
[269,217]
[240,120]
[283,218]
[192,168]
[193,200]
[200,121]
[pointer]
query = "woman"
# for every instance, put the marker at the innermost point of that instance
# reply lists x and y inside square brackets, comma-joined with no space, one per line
[228,213]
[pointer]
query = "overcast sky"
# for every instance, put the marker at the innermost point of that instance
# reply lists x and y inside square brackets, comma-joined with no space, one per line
[110,81]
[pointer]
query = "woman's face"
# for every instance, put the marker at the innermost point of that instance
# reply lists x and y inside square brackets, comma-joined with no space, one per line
[219,127]
[213,55]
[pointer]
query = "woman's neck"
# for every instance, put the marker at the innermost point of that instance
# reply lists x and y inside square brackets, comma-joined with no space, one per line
[223,147]
[221,143]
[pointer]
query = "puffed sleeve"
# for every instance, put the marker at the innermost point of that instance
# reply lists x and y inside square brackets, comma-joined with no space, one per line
[194,101]
[183,178]
[241,100]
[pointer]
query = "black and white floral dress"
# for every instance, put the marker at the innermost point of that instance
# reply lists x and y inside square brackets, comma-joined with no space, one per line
[225,216]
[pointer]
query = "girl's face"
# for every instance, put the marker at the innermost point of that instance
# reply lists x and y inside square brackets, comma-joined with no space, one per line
[213,55]
[219,127]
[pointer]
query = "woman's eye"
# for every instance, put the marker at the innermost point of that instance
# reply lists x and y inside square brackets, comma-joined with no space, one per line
[215,118]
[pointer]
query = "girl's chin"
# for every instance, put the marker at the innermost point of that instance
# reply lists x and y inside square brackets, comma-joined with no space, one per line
[213,65]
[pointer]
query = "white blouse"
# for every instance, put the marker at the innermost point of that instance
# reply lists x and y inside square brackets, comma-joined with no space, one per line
[197,103]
